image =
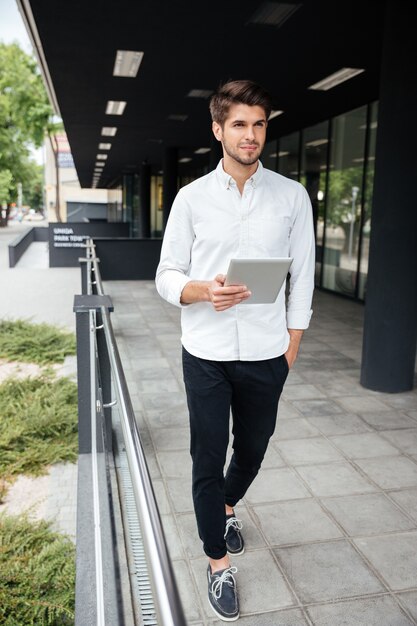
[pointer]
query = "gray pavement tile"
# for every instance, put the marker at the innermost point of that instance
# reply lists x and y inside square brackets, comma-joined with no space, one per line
[412,414]
[171,438]
[175,464]
[169,417]
[298,521]
[409,600]
[376,611]
[165,384]
[388,420]
[272,457]
[161,497]
[188,530]
[405,440]
[341,424]
[390,472]
[407,499]
[302,392]
[327,571]
[256,593]
[180,493]
[188,594]
[364,445]
[369,514]
[334,479]
[307,451]
[287,410]
[339,385]
[314,408]
[150,364]
[175,548]
[172,400]
[294,429]
[403,401]
[394,557]
[285,617]
[362,404]
[275,484]
[293,377]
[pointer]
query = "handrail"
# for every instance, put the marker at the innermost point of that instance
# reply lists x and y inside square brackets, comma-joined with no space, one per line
[166,596]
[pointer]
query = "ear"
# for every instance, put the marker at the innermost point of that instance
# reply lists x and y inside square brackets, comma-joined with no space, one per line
[217,131]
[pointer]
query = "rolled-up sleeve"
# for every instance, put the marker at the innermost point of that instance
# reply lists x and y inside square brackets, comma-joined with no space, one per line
[172,271]
[302,249]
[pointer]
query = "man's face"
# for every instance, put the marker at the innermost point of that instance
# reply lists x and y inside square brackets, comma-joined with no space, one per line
[243,133]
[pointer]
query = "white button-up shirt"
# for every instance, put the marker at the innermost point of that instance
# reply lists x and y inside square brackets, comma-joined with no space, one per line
[210,222]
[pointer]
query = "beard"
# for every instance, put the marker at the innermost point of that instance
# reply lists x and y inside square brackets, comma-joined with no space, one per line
[245,159]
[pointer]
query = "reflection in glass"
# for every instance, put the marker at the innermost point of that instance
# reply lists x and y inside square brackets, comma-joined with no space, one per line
[344,202]
[314,147]
[270,156]
[288,156]
[367,205]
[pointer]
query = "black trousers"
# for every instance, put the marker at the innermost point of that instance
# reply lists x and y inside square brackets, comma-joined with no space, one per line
[249,391]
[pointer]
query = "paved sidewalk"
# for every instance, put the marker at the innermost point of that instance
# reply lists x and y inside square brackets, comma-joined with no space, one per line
[331,521]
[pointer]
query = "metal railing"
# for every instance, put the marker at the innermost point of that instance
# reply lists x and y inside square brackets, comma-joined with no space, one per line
[102,386]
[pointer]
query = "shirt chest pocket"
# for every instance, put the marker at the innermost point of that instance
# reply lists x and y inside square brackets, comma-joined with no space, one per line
[274,233]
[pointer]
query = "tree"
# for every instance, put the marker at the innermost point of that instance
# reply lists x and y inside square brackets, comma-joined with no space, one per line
[25,116]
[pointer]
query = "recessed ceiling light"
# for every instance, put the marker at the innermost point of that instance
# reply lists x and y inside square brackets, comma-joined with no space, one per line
[199,93]
[102,157]
[283,153]
[115,107]
[104,146]
[275,114]
[345,73]
[317,142]
[372,126]
[109,131]
[177,117]
[273,13]
[127,63]
[362,159]
[100,165]
[202,150]
[184,160]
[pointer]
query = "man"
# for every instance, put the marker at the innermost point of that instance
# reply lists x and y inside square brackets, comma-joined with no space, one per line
[236,356]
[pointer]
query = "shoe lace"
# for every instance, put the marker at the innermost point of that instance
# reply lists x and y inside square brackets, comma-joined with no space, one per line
[234,523]
[225,578]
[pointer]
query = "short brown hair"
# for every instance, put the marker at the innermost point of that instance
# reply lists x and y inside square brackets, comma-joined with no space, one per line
[238,92]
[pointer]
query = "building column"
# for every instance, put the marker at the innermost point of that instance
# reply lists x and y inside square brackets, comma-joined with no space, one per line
[145,200]
[390,330]
[169,181]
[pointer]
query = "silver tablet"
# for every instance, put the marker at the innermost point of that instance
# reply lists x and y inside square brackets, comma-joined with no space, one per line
[263,277]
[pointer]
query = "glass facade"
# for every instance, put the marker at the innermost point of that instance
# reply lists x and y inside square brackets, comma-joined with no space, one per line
[334,160]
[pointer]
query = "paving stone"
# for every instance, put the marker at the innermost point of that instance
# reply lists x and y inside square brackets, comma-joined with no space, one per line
[362,404]
[275,484]
[187,592]
[327,571]
[405,440]
[369,514]
[409,600]
[179,490]
[376,611]
[174,544]
[364,445]
[175,464]
[171,438]
[342,424]
[314,408]
[390,472]
[388,420]
[298,521]
[302,392]
[286,617]
[407,499]
[394,557]
[294,429]
[305,451]
[272,457]
[334,479]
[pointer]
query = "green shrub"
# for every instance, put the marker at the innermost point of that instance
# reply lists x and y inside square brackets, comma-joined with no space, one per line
[21,340]
[37,574]
[38,424]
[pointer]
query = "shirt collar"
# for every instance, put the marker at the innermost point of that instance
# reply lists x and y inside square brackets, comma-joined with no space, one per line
[226,180]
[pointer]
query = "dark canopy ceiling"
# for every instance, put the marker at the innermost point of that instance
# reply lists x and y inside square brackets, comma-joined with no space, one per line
[196,45]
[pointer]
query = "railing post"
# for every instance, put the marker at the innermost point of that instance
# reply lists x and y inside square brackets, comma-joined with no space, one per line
[97,597]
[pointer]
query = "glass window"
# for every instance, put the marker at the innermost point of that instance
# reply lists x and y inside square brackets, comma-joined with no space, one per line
[156,206]
[344,202]
[367,205]
[314,148]
[288,156]
[270,156]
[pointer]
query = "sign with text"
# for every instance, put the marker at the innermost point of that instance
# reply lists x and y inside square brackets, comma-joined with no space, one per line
[67,241]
